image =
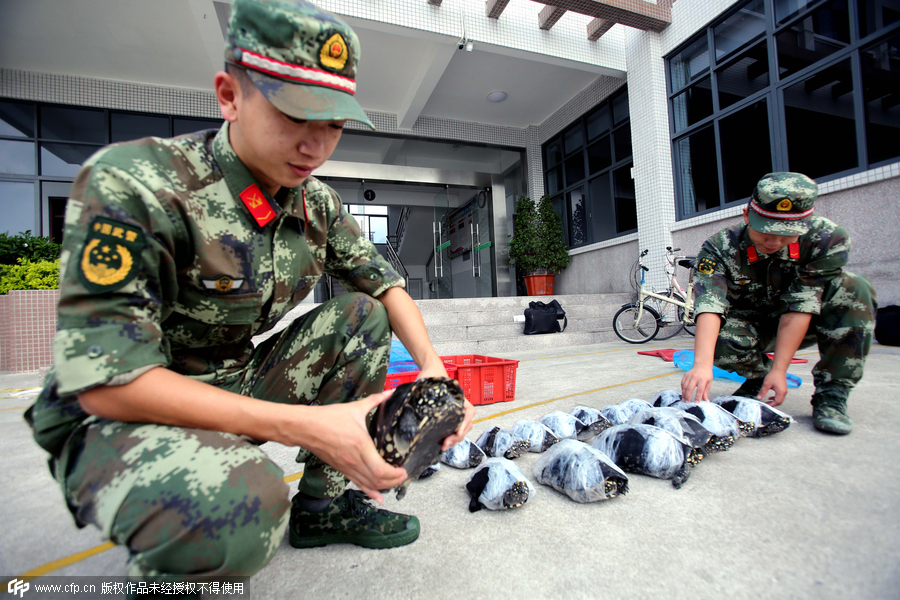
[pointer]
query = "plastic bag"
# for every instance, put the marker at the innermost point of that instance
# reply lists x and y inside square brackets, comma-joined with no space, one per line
[498,484]
[539,436]
[621,412]
[766,420]
[685,426]
[684,360]
[401,361]
[715,418]
[594,421]
[666,398]
[464,455]
[502,442]
[563,425]
[581,472]
[647,450]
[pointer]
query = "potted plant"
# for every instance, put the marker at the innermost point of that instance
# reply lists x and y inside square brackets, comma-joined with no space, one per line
[537,247]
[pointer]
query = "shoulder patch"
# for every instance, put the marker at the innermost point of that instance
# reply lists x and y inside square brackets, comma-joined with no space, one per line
[111,256]
[706,265]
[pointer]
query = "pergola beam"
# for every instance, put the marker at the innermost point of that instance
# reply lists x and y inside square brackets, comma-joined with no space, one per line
[597,27]
[549,16]
[639,14]
[493,8]
[435,2]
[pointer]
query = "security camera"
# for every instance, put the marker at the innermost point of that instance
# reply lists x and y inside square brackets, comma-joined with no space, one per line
[461,45]
[469,45]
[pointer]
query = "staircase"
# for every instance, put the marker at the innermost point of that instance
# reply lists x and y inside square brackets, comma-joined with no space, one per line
[486,325]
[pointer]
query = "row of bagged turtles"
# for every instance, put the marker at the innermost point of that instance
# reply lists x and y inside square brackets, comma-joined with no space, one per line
[662,438]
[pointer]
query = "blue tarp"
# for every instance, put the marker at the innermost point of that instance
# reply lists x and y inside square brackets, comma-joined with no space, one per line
[684,360]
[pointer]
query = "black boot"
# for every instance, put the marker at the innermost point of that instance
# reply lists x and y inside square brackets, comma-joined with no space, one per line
[750,388]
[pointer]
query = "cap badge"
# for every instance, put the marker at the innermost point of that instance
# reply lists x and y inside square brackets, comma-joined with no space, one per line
[334,53]
[784,205]
[223,283]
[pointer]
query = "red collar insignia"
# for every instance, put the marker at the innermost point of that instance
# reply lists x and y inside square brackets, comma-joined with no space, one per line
[257,204]
[794,250]
[752,256]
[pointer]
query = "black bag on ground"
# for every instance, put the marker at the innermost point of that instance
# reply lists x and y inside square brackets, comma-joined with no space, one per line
[542,318]
[887,325]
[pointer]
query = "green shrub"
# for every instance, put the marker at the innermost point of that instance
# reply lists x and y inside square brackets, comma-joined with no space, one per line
[27,275]
[24,245]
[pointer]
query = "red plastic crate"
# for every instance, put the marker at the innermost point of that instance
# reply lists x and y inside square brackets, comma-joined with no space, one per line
[485,379]
[395,379]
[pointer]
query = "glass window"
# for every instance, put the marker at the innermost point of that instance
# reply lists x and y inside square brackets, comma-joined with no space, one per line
[746,150]
[692,105]
[603,227]
[559,207]
[17,207]
[744,77]
[598,122]
[622,139]
[16,158]
[125,127]
[578,217]
[620,108]
[552,154]
[73,124]
[574,139]
[875,15]
[821,130]
[812,38]
[689,64]
[574,169]
[697,171]
[738,29]
[599,155]
[378,227]
[554,180]
[17,119]
[626,208]
[64,160]
[182,125]
[881,84]
[785,9]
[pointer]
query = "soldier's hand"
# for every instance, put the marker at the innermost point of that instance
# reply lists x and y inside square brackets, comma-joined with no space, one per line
[699,379]
[337,434]
[464,428]
[775,382]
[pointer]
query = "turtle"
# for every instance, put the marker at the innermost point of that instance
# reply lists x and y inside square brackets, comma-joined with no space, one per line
[666,398]
[464,455]
[593,419]
[565,426]
[538,435]
[498,484]
[581,472]
[410,426]
[647,450]
[686,427]
[621,412]
[430,470]
[767,420]
[719,421]
[502,442]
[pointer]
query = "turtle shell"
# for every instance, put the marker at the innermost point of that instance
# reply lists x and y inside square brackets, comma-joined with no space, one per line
[647,450]
[718,420]
[537,435]
[498,484]
[502,442]
[594,422]
[767,420]
[410,426]
[581,472]
[666,398]
[685,426]
[464,455]
[621,412]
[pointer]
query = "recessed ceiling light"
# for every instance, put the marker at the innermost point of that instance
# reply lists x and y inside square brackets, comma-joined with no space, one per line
[496,96]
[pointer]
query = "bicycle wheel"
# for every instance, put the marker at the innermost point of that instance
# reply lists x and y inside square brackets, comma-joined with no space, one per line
[670,323]
[689,329]
[627,327]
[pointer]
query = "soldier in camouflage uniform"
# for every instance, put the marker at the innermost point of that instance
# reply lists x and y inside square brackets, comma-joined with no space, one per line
[778,283]
[176,252]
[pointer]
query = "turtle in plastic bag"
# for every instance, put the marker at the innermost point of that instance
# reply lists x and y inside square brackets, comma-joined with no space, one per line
[539,436]
[565,426]
[766,420]
[581,472]
[682,425]
[410,426]
[666,398]
[502,442]
[719,421]
[464,455]
[592,418]
[647,450]
[623,411]
[498,484]
[430,470]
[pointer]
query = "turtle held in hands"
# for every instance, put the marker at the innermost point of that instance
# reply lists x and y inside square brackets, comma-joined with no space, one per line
[410,426]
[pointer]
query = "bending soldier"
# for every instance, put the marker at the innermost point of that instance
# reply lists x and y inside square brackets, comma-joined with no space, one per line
[775,284]
[177,252]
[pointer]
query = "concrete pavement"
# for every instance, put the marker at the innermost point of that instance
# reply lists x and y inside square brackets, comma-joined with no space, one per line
[800,514]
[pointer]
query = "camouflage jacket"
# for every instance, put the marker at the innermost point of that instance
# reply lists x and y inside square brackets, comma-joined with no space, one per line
[174,256]
[774,283]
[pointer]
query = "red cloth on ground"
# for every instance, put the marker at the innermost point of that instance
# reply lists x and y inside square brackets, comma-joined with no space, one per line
[668,353]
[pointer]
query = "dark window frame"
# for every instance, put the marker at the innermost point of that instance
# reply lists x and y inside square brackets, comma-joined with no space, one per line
[773,93]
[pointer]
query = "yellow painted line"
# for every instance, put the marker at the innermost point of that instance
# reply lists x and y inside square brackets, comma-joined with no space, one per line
[608,387]
[13,390]
[70,560]
[14,408]
[601,352]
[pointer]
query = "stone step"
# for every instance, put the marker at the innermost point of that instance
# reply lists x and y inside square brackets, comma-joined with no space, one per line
[445,333]
[515,303]
[498,346]
[499,317]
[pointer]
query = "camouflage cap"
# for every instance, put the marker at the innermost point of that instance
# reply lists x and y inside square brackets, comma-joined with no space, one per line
[782,203]
[302,59]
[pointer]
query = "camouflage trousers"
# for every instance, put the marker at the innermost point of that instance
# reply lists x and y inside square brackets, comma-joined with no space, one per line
[197,504]
[842,330]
